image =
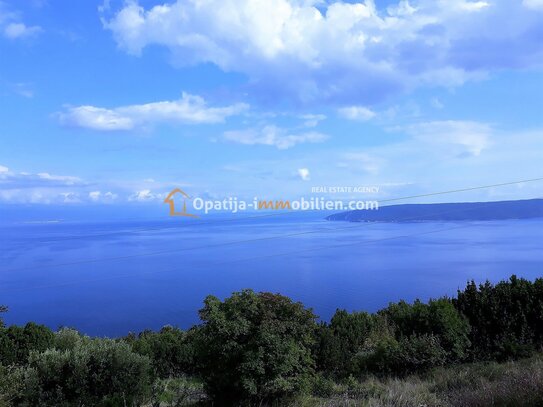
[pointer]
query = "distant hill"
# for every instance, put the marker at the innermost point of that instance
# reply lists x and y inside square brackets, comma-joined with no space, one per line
[525,209]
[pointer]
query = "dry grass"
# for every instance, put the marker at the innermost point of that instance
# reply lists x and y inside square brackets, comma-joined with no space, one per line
[511,384]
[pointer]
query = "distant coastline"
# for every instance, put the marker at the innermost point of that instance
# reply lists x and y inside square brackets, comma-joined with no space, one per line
[497,210]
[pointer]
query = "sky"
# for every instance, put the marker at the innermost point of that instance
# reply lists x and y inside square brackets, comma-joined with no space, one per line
[119,102]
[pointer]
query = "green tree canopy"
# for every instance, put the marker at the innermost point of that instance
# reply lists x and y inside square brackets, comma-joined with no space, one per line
[254,347]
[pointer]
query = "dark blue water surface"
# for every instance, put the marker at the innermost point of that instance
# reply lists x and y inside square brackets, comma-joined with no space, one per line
[112,277]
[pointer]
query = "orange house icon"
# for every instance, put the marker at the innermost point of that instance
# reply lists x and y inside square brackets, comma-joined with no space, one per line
[170,199]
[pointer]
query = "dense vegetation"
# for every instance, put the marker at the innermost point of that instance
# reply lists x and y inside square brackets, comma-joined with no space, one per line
[264,349]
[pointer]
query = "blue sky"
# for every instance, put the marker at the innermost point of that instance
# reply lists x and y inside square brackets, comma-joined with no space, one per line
[119,102]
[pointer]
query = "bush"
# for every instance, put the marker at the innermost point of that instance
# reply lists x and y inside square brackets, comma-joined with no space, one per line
[11,384]
[170,350]
[68,339]
[97,372]
[339,342]
[253,347]
[414,353]
[322,386]
[17,342]
[439,319]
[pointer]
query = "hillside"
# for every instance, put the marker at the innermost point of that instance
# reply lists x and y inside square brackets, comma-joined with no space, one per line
[499,210]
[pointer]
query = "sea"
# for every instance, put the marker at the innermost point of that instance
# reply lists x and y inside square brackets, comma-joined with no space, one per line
[111,275]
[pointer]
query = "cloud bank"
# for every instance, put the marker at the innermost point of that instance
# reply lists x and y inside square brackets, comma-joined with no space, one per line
[190,109]
[348,53]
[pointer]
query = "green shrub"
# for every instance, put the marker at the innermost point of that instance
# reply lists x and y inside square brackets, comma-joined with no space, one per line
[439,318]
[170,350]
[322,386]
[11,384]
[414,353]
[340,341]
[17,342]
[68,339]
[254,347]
[98,372]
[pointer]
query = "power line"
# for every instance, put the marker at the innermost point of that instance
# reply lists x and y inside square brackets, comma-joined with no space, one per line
[462,190]
[176,250]
[237,219]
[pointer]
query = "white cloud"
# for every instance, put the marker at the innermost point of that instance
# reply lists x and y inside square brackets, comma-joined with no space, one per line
[472,137]
[70,197]
[359,113]
[95,118]
[190,109]
[533,4]
[24,187]
[312,120]
[17,180]
[95,196]
[23,89]
[145,195]
[304,174]
[98,196]
[12,27]
[273,136]
[20,30]
[349,53]
[45,188]
[474,5]
[68,180]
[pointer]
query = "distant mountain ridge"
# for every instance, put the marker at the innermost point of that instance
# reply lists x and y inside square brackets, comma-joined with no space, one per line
[497,210]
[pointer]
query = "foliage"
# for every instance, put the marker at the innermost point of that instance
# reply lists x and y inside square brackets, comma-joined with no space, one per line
[3,309]
[17,342]
[438,319]
[339,342]
[170,350]
[506,319]
[11,384]
[67,339]
[262,348]
[176,392]
[97,372]
[254,347]
[400,339]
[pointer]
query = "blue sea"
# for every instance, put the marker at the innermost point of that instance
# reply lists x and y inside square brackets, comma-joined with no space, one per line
[109,277]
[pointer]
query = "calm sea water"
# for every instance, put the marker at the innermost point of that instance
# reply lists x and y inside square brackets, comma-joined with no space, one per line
[109,278]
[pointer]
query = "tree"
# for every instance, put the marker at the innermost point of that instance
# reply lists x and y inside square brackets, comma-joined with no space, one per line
[340,341]
[506,318]
[439,318]
[170,350]
[17,342]
[3,309]
[254,347]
